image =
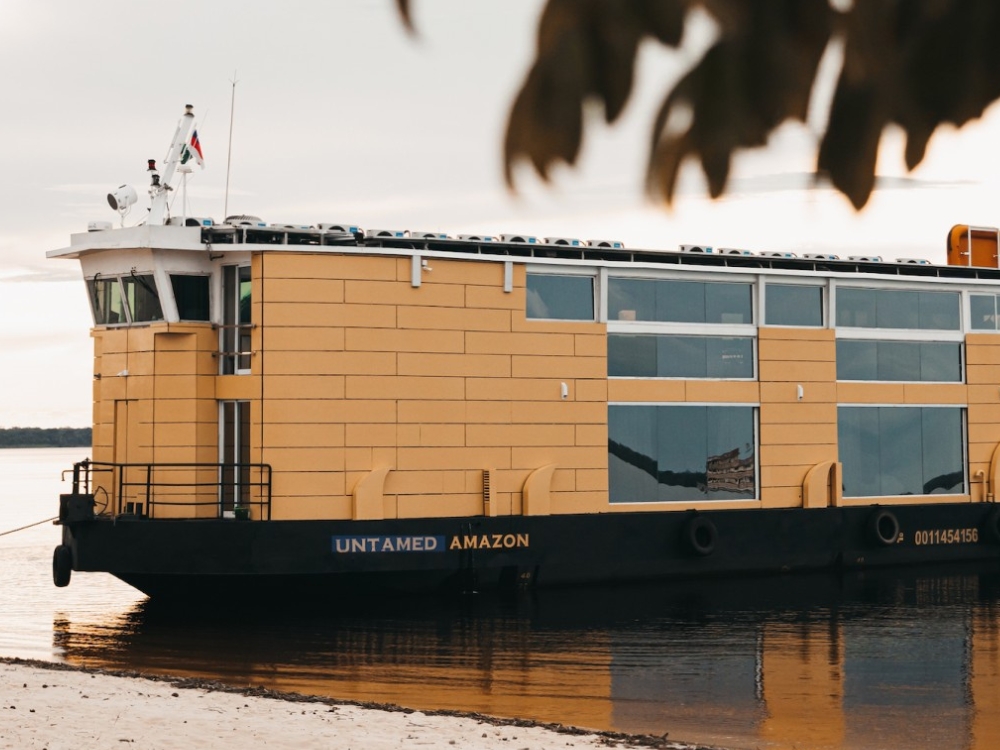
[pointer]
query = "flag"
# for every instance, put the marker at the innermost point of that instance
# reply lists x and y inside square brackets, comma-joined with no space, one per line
[192,150]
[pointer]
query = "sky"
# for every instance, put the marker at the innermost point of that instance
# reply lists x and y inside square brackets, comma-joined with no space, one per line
[340,116]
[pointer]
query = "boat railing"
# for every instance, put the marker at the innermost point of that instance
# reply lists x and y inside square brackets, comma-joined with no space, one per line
[176,490]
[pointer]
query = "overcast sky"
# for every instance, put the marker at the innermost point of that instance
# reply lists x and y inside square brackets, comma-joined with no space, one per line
[341,117]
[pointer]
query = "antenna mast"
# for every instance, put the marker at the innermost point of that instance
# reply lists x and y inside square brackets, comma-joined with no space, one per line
[229,153]
[160,186]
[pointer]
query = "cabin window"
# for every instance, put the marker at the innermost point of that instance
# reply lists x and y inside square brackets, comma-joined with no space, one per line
[191,295]
[671,301]
[107,301]
[236,328]
[793,305]
[141,297]
[669,356]
[984,312]
[554,297]
[901,450]
[908,361]
[681,453]
[898,308]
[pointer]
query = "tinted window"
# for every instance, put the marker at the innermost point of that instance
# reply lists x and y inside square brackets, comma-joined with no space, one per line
[912,361]
[901,450]
[107,301]
[669,356]
[141,297]
[794,305]
[681,453]
[191,295]
[984,312]
[560,297]
[669,301]
[894,308]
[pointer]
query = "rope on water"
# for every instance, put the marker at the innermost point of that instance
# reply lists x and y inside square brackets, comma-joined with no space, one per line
[30,525]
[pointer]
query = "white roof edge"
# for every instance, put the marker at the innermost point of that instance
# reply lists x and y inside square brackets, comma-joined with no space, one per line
[131,238]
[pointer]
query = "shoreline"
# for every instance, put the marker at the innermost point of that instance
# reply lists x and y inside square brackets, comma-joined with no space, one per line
[45,703]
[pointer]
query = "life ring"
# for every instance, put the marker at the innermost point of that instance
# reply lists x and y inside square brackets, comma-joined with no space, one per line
[701,535]
[884,527]
[62,565]
[992,530]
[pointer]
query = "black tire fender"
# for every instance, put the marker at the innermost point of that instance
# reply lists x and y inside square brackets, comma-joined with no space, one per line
[701,535]
[62,565]
[883,527]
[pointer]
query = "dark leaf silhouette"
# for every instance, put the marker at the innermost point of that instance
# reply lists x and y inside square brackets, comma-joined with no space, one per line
[918,64]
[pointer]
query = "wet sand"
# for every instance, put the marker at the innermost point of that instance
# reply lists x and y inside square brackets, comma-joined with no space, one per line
[56,707]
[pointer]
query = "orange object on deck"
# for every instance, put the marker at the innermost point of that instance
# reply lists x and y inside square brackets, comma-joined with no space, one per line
[984,242]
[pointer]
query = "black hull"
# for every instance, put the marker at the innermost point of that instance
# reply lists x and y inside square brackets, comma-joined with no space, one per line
[217,559]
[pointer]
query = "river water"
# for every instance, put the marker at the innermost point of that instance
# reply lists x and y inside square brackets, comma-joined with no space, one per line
[895,659]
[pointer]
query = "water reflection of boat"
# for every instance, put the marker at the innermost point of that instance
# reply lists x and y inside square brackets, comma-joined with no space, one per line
[821,661]
[286,411]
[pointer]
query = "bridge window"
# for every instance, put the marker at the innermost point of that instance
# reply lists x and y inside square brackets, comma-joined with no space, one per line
[901,450]
[670,453]
[553,297]
[984,312]
[236,328]
[191,295]
[107,301]
[143,301]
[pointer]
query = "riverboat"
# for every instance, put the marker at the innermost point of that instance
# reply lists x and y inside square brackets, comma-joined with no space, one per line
[302,410]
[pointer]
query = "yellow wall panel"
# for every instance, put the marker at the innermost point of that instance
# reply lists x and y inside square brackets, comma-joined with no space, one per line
[592,434]
[781,497]
[982,349]
[308,483]
[783,476]
[409,340]
[798,434]
[476,457]
[797,412]
[444,271]
[788,392]
[871,393]
[293,339]
[301,314]
[431,506]
[646,390]
[331,363]
[578,502]
[303,435]
[797,455]
[370,434]
[935,393]
[403,293]
[559,412]
[539,366]
[730,392]
[454,319]
[305,508]
[797,371]
[327,265]
[582,457]
[407,388]
[591,390]
[235,387]
[591,345]
[430,411]
[481,365]
[303,290]
[523,389]
[791,350]
[983,374]
[493,297]
[545,344]
[983,394]
[492,412]
[432,434]
[520,435]
[592,480]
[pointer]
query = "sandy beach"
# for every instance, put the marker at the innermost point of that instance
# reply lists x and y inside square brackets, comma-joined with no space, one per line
[54,707]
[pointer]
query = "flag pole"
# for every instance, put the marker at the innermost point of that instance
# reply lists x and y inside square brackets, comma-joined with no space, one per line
[229,153]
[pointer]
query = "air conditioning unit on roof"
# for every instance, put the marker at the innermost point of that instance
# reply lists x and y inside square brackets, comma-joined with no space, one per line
[914,261]
[695,249]
[865,258]
[734,251]
[526,239]
[778,254]
[821,256]
[613,244]
[568,241]
[477,238]
[430,235]
[340,228]
[394,233]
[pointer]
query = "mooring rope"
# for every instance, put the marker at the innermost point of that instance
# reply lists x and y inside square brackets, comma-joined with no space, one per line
[22,528]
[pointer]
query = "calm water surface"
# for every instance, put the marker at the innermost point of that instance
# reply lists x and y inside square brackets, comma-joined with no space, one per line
[905,659]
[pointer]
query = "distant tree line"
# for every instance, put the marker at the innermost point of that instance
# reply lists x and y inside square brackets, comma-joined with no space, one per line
[38,437]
